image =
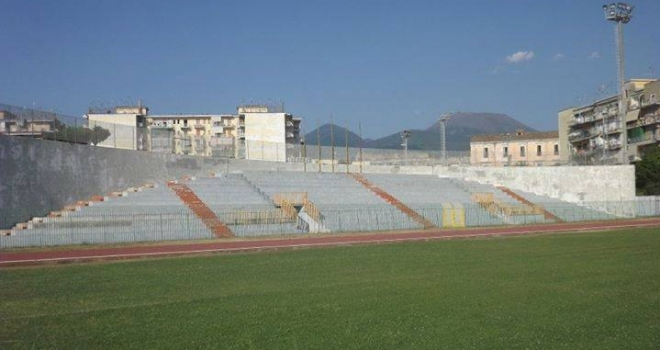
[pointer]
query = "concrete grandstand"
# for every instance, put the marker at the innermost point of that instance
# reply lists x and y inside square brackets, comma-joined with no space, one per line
[145,197]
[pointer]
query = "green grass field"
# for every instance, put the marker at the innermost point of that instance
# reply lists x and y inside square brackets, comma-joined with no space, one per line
[569,291]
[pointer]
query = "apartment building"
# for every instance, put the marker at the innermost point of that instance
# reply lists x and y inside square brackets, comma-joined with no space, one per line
[594,134]
[266,133]
[256,132]
[515,149]
[14,125]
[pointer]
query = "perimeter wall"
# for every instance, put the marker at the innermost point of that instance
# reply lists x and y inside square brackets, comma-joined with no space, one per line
[38,176]
[569,183]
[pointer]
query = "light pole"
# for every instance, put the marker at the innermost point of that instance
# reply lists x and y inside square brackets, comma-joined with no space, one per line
[444,118]
[620,13]
[405,135]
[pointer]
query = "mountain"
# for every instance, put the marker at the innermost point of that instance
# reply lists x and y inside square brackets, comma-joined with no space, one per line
[459,129]
[339,136]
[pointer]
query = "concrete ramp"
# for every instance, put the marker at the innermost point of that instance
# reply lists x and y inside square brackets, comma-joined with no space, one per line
[313,225]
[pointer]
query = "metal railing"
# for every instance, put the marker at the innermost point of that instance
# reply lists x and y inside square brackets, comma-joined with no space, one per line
[130,226]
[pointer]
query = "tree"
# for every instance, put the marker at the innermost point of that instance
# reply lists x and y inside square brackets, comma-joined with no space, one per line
[647,173]
[78,134]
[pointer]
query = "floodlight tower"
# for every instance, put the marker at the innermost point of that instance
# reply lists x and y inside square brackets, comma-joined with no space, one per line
[444,118]
[620,13]
[405,135]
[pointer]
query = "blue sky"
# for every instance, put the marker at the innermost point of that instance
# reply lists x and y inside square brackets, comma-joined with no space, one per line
[389,65]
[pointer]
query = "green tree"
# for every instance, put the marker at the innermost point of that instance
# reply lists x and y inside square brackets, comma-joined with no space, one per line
[79,134]
[647,173]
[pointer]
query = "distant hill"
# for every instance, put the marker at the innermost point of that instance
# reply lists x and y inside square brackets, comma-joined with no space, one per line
[339,136]
[460,128]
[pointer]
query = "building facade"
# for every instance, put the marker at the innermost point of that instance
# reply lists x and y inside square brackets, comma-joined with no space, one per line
[122,122]
[594,134]
[515,149]
[266,134]
[256,132]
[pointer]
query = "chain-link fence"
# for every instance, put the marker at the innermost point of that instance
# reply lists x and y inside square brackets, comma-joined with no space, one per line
[374,156]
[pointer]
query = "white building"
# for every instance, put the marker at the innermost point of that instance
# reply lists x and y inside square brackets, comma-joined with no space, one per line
[256,132]
[267,134]
[122,122]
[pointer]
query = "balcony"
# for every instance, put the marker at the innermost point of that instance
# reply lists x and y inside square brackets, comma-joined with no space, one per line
[581,135]
[643,139]
[648,119]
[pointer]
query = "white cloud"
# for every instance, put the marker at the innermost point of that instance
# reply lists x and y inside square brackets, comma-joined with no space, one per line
[520,56]
[559,57]
[594,55]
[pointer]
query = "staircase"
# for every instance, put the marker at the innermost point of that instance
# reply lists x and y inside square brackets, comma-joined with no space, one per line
[200,209]
[546,214]
[393,201]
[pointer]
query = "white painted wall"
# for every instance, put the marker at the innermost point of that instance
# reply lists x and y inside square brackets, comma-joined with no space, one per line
[265,136]
[122,127]
[569,183]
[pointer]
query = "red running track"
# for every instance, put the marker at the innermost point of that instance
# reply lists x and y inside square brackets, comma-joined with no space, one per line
[20,258]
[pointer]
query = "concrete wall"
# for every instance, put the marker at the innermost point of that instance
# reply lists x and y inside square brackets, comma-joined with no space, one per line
[572,184]
[265,136]
[122,128]
[39,176]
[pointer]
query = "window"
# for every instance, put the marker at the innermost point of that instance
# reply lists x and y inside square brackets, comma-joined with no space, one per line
[522,151]
[506,151]
[556,150]
[485,152]
[539,150]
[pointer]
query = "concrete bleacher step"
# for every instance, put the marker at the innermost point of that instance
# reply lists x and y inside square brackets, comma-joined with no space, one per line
[427,224]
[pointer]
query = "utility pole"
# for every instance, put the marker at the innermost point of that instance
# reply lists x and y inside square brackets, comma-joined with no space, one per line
[303,151]
[346,139]
[444,118]
[405,135]
[332,145]
[318,141]
[360,130]
[620,13]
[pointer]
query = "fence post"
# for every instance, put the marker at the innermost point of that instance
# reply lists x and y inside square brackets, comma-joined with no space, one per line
[160,225]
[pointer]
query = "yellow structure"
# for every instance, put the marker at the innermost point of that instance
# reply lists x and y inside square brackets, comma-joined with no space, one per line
[515,149]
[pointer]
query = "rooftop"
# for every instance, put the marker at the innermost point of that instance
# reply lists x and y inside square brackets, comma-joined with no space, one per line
[516,136]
